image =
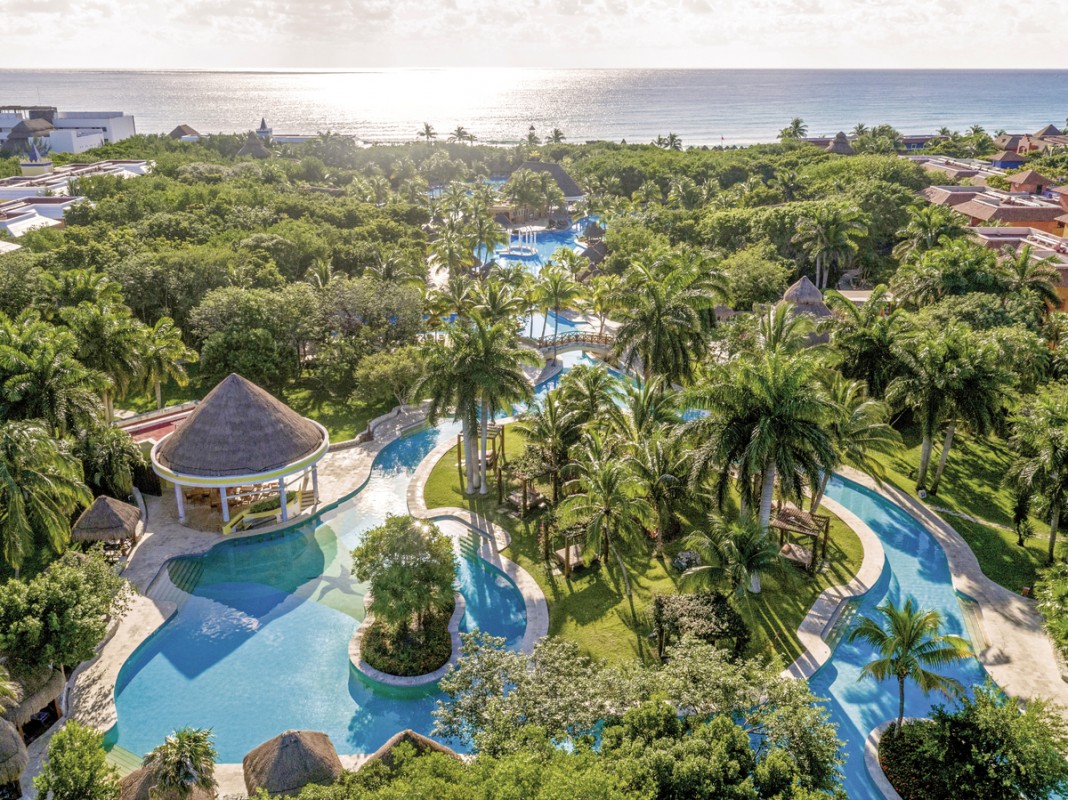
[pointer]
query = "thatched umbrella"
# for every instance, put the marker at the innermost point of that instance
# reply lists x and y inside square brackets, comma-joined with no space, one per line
[13,755]
[840,145]
[106,520]
[287,763]
[32,692]
[806,298]
[422,746]
[138,785]
[253,146]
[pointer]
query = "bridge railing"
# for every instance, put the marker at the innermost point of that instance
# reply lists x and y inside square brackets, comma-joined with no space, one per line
[572,337]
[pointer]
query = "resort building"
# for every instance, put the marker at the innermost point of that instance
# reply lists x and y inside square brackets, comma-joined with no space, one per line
[57,180]
[982,205]
[1007,159]
[266,133]
[61,131]
[1045,140]
[909,143]
[840,145]
[958,168]
[185,133]
[1030,182]
[238,447]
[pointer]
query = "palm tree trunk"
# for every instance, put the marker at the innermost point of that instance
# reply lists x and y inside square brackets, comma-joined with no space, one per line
[622,569]
[1054,524]
[544,323]
[900,703]
[600,331]
[468,460]
[556,329]
[484,488]
[108,410]
[925,461]
[948,443]
[818,265]
[767,489]
[159,393]
[818,497]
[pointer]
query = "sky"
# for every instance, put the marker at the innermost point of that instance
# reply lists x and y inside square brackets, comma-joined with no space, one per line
[211,34]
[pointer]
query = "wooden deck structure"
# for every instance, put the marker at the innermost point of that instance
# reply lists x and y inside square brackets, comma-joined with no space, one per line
[790,520]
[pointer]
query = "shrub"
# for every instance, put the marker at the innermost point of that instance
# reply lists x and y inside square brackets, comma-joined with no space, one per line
[1051,592]
[76,767]
[408,652]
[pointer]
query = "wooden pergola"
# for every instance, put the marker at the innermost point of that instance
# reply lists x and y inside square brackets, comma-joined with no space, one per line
[790,520]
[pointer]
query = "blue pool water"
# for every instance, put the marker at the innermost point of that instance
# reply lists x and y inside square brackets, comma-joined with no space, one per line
[915,567]
[261,645]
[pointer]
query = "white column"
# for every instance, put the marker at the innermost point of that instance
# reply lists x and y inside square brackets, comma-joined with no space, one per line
[315,484]
[225,505]
[282,500]
[180,500]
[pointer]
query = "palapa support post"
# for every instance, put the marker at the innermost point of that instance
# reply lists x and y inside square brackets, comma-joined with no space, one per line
[225,505]
[180,500]
[315,484]
[282,500]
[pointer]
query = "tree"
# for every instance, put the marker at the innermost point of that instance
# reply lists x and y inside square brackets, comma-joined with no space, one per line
[907,641]
[76,767]
[557,291]
[865,337]
[183,763]
[110,341]
[1024,274]
[796,130]
[1040,446]
[830,235]
[754,276]
[448,386]
[551,429]
[605,498]
[40,489]
[109,457]
[927,225]
[60,616]
[953,267]
[604,294]
[460,134]
[390,375]
[427,132]
[591,392]
[661,468]
[410,569]
[556,136]
[737,553]
[165,356]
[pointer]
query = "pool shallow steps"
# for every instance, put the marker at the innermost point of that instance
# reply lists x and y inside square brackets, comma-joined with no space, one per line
[123,760]
[176,581]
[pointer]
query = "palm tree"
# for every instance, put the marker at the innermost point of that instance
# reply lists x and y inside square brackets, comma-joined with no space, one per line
[650,407]
[427,133]
[976,130]
[908,641]
[1040,444]
[184,763]
[320,274]
[797,129]
[667,312]
[551,430]
[449,386]
[110,341]
[460,135]
[672,142]
[605,498]
[495,301]
[860,129]
[41,377]
[557,291]
[604,294]
[831,234]
[556,136]
[165,356]
[454,250]
[591,392]
[787,182]
[456,299]
[40,489]
[1028,276]
[768,418]
[661,467]
[738,553]
[926,226]
[76,286]
[858,430]
[492,359]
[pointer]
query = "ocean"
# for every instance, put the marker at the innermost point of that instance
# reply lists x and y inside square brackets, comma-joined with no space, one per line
[710,107]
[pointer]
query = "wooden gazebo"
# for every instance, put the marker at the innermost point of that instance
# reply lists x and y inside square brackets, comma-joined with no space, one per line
[813,528]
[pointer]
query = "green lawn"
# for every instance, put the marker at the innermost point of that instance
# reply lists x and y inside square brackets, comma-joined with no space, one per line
[591,607]
[972,484]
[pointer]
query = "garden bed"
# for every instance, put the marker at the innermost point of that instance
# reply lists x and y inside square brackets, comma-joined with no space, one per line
[410,654]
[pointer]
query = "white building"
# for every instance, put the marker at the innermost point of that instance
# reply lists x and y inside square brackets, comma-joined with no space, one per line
[61,131]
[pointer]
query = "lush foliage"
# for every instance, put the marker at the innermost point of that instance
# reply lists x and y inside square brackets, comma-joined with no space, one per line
[76,766]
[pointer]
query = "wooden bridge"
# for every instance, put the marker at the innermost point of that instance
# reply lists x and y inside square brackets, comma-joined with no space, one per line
[573,340]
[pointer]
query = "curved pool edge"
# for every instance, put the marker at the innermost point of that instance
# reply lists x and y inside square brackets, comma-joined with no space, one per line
[871,761]
[832,600]
[1020,658]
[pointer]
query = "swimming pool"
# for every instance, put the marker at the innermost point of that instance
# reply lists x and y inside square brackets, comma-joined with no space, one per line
[915,567]
[261,643]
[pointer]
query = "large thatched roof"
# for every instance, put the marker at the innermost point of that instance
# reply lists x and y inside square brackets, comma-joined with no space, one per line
[254,147]
[287,763]
[33,691]
[565,182]
[840,145]
[421,744]
[13,755]
[806,298]
[106,520]
[138,785]
[238,429]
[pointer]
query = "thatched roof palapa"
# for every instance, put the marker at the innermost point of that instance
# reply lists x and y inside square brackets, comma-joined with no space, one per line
[421,744]
[239,429]
[287,763]
[806,298]
[106,520]
[138,785]
[565,182]
[254,147]
[13,755]
[840,145]
[33,691]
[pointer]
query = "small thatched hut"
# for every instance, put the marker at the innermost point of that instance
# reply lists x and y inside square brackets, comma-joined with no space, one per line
[13,756]
[138,785]
[421,744]
[287,763]
[33,692]
[807,299]
[254,147]
[840,145]
[107,520]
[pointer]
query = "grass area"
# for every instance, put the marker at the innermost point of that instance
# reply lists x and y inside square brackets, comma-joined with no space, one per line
[341,419]
[972,485]
[591,608]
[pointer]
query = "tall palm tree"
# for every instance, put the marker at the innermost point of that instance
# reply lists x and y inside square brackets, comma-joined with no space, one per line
[450,387]
[460,135]
[667,312]
[1040,445]
[454,301]
[110,341]
[858,430]
[926,226]
[454,250]
[605,498]
[736,552]
[427,132]
[40,489]
[604,295]
[556,136]
[650,407]
[109,456]
[165,356]
[829,235]
[75,286]
[41,376]
[860,129]
[768,418]
[551,429]
[908,641]
[865,336]
[1026,275]
[797,129]
[495,301]
[184,763]
[592,393]
[787,182]
[557,291]
[661,467]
